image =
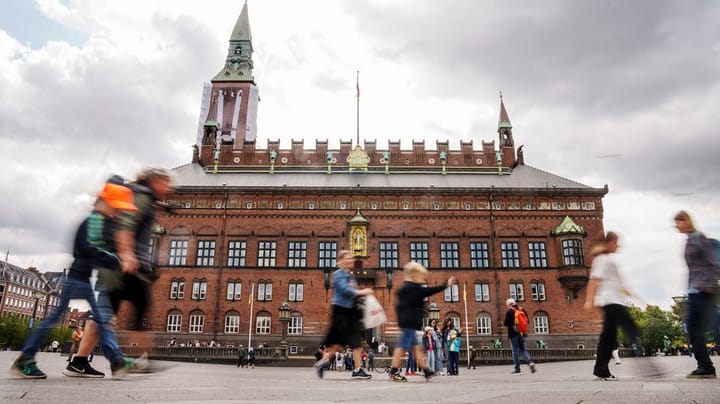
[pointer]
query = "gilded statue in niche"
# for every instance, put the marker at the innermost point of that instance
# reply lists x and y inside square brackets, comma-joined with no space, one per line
[358,241]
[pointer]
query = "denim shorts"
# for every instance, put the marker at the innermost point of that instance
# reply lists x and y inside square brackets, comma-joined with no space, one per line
[409,338]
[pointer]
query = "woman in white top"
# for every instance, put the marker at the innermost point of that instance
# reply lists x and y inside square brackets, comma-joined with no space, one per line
[606,290]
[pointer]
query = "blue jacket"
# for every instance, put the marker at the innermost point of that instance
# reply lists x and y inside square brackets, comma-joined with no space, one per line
[345,287]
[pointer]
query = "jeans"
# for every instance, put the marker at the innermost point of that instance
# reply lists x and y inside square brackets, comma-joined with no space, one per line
[78,289]
[699,318]
[517,343]
[430,360]
[615,315]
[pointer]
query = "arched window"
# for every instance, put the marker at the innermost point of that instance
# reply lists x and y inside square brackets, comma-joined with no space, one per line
[197,321]
[174,321]
[484,324]
[541,325]
[232,322]
[295,326]
[263,323]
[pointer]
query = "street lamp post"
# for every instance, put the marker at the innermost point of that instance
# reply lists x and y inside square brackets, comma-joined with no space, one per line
[37,296]
[285,311]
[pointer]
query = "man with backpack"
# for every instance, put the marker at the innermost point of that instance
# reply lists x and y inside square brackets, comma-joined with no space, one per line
[516,321]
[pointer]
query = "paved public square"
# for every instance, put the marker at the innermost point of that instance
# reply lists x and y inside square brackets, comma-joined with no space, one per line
[558,382]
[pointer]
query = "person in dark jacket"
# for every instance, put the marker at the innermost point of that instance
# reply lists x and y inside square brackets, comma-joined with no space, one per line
[703,274]
[91,249]
[517,340]
[410,311]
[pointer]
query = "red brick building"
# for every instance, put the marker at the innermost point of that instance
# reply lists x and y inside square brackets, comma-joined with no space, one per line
[265,225]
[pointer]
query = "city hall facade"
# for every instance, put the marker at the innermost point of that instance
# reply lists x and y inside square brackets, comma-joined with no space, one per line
[250,247]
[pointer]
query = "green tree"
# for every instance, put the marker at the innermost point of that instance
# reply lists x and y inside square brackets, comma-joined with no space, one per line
[13,331]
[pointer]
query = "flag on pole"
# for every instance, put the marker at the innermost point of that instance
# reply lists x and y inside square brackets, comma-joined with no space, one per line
[464,294]
[357,83]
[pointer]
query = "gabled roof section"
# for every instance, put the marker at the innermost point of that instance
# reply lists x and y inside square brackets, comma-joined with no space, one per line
[568,226]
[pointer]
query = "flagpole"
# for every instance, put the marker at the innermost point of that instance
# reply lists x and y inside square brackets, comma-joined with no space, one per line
[467,330]
[252,302]
[357,108]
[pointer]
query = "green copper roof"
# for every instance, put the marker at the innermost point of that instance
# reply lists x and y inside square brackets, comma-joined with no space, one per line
[239,63]
[568,227]
[212,122]
[358,218]
[504,121]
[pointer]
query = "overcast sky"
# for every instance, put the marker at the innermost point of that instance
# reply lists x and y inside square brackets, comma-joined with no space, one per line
[624,93]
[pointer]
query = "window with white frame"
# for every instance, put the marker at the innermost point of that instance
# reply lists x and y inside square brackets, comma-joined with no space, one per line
[177,289]
[234,290]
[516,291]
[455,317]
[197,322]
[450,255]
[174,321]
[205,253]
[237,249]
[199,289]
[419,253]
[178,252]
[295,291]
[537,254]
[452,294]
[538,291]
[295,326]
[232,322]
[327,252]
[389,255]
[264,291]
[484,324]
[510,252]
[479,257]
[482,292]
[262,323]
[266,254]
[572,252]
[297,254]
[541,323]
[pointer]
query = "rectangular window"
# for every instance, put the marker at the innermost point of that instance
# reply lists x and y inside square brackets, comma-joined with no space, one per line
[205,253]
[452,294]
[327,252]
[295,326]
[295,293]
[572,252]
[232,324]
[510,252]
[262,325]
[264,292]
[389,255]
[482,292]
[197,321]
[537,254]
[419,253]
[267,252]
[449,255]
[199,290]
[178,252]
[177,289]
[516,291]
[234,290]
[174,322]
[297,254]
[484,325]
[538,291]
[479,257]
[236,254]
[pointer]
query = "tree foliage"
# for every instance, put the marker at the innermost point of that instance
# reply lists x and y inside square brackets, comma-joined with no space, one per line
[13,331]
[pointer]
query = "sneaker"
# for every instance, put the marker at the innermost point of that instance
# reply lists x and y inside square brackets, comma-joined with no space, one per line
[127,365]
[27,369]
[532,368]
[360,374]
[321,366]
[606,378]
[82,369]
[702,374]
[516,372]
[397,377]
[428,373]
[141,364]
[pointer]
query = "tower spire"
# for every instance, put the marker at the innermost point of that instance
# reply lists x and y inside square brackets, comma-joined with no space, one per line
[239,63]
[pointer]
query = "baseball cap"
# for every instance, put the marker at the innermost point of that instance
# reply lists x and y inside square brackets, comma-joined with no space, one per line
[118,196]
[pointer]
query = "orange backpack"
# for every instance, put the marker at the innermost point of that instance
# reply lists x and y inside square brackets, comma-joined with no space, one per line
[521,321]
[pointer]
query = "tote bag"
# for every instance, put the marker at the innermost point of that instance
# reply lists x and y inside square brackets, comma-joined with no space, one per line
[373,313]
